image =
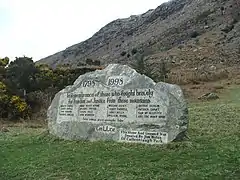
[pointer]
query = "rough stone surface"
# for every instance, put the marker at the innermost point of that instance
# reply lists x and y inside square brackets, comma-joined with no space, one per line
[119,104]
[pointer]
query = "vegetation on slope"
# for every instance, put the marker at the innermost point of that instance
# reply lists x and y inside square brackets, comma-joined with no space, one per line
[26,88]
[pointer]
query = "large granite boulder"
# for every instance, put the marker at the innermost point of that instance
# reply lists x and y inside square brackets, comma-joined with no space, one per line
[119,104]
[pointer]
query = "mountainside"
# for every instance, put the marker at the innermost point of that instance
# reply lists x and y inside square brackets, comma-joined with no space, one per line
[189,34]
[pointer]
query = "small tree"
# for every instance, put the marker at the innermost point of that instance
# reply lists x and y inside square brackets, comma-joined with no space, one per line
[164,70]
[21,75]
[157,74]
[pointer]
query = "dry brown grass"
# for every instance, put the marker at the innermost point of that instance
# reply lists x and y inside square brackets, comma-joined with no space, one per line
[190,76]
[23,123]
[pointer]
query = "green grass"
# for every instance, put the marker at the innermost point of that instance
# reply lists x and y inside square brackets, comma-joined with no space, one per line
[211,152]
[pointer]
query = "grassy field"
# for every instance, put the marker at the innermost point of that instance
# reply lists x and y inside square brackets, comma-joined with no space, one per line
[211,152]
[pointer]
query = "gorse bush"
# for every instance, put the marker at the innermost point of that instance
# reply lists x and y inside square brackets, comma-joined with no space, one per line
[25,87]
[18,104]
[19,108]
[3,87]
[12,107]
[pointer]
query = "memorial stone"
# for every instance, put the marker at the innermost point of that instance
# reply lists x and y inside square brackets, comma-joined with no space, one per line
[119,104]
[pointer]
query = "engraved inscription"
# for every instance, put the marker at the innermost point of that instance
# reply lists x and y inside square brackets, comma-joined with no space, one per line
[117,110]
[115,81]
[151,111]
[66,110]
[143,137]
[118,106]
[105,129]
[88,83]
[93,105]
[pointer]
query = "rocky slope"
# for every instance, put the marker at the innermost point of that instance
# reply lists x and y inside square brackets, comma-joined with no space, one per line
[188,34]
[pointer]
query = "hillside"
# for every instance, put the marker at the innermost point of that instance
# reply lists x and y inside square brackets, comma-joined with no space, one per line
[188,34]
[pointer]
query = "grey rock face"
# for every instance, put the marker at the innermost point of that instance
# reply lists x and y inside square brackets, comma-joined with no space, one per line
[165,28]
[119,104]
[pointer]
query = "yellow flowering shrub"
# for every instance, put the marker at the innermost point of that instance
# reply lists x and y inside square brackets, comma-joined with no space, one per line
[4,100]
[4,61]
[19,104]
[12,107]
[3,87]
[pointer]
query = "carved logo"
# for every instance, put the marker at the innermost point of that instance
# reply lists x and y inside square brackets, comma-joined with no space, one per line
[106,129]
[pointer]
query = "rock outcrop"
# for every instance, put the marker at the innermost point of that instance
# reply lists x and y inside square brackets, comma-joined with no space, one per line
[119,104]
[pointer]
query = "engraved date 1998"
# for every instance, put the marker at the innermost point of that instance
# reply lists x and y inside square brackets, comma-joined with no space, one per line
[115,81]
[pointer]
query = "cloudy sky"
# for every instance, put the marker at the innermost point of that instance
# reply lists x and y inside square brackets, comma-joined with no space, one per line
[38,28]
